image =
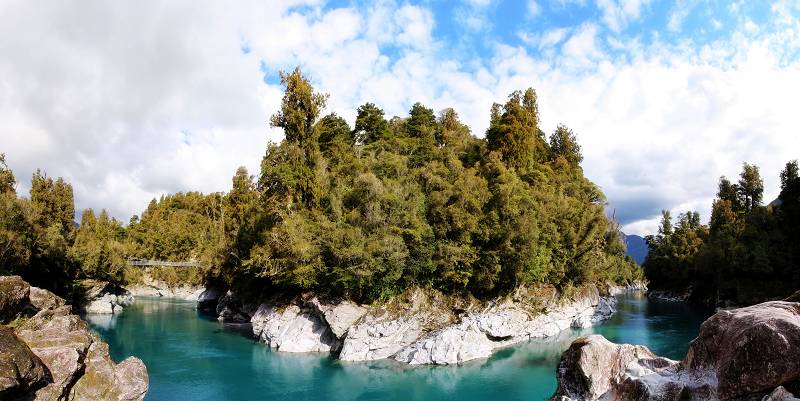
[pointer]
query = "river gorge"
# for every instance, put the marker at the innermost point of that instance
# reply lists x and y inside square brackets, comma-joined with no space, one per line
[190,355]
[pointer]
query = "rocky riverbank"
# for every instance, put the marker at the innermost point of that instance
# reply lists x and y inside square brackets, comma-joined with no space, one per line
[421,328]
[47,353]
[744,354]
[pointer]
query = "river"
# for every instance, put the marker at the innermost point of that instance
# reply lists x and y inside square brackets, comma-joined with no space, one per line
[190,356]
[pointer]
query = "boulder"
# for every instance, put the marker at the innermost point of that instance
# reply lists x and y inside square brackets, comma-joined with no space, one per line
[751,350]
[52,355]
[105,381]
[101,297]
[207,300]
[381,337]
[230,309]
[740,354]
[293,329]
[21,370]
[13,297]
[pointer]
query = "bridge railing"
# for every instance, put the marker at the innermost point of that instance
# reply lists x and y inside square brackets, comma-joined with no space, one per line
[145,263]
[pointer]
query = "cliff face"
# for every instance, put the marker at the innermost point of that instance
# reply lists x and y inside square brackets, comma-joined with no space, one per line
[750,353]
[49,354]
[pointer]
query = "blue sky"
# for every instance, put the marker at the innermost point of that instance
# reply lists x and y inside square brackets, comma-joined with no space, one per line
[129,101]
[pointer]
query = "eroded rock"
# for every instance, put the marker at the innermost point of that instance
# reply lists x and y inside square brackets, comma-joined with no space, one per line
[101,297]
[293,329]
[740,354]
[13,297]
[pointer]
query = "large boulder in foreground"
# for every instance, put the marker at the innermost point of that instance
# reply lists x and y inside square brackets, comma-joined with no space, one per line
[740,354]
[50,354]
[21,370]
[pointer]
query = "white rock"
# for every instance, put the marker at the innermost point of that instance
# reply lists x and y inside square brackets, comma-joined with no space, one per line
[99,306]
[380,338]
[339,316]
[292,329]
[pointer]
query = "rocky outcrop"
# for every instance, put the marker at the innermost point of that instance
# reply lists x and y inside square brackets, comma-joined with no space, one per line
[418,330]
[478,335]
[293,329]
[148,287]
[102,297]
[21,371]
[740,354]
[74,360]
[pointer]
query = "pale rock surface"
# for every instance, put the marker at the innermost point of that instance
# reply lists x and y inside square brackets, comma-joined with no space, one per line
[104,298]
[339,316]
[293,329]
[480,334]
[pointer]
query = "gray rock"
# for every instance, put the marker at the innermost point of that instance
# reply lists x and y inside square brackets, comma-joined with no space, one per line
[293,329]
[339,316]
[102,297]
[740,354]
[480,334]
[21,370]
[75,362]
[13,297]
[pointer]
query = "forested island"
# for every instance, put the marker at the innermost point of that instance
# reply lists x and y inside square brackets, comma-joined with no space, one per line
[363,212]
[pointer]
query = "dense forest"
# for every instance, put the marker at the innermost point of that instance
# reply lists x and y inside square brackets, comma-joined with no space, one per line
[747,253]
[364,211]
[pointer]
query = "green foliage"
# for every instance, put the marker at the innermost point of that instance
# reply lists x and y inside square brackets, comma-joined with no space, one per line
[99,248]
[371,126]
[419,201]
[366,213]
[514,132]
[746,248]
[7,181]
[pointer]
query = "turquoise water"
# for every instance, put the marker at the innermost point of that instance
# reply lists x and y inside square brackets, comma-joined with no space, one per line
[190,356]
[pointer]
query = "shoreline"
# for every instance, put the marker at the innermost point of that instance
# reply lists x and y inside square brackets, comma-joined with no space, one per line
[421,331]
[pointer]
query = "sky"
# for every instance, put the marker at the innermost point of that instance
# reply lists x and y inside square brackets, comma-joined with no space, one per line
[132,100]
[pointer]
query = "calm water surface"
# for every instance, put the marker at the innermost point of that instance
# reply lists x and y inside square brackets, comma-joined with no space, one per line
[190,356]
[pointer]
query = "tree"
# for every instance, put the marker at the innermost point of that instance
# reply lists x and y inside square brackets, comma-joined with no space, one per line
[370,125]
[515,132]
[333,129]
[422,124]
[665,228]
[751,187]
[7,181]
[54,202]
[790,182]
[300,108]
[563,143]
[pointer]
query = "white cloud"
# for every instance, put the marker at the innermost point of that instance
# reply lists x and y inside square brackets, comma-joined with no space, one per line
[534,9]
[617,14]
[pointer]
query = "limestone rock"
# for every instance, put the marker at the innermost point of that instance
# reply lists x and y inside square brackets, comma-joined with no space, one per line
[339,316]
[478,335]
[293,329]
[230,309]
[207,300]
[21,370]
[102,297]
[381,337]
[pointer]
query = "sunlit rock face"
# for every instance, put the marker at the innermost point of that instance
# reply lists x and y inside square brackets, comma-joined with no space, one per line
[419,330]
[102,297]
[64,360]
[740,354]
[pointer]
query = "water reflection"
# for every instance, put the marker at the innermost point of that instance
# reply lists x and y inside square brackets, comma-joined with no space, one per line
[193,357]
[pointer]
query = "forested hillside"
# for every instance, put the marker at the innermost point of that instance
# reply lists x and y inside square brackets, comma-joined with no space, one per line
[364,211]
[747,253]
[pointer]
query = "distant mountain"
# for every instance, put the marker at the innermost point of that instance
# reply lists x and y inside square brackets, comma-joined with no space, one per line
[637,247]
